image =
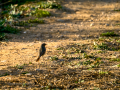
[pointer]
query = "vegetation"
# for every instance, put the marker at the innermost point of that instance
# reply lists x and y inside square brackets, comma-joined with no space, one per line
[4,74]
[40,13]
[15,10]
[109,34]
[54,58]
[116,9]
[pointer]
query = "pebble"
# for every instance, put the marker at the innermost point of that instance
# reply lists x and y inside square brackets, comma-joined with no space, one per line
[107,24]
[61,36]
[118,56]
[92,24]
[24,32]
[60,20]
[23,48]
[3,61]
[37,69]
[28,74]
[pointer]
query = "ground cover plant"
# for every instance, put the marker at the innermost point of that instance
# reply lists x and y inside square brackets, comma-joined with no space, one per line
[15,10]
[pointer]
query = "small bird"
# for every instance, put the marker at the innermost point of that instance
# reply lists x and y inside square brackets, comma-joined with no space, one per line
[41,51]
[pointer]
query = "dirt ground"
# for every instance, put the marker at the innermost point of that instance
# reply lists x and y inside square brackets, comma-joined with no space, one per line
[79,25]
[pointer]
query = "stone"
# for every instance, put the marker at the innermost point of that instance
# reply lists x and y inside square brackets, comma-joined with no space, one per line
[92,24]
[28,74]
[37,69]
[60,20]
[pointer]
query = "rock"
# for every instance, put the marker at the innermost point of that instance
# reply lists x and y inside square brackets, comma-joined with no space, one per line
[118,56]
[24,32]
[23,48]
[91,15]
[60,20]
[92,24]
[74,39]
[37,69]
[107,24]
[61,36]
[28,74]
[90,20]
[78,36]
[3,61]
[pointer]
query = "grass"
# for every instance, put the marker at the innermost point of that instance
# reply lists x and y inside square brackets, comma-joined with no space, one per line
[118,65]
[36,21]
[53,58]
[101,46]
[17,11]
[40,13]
[2,36]
[21,23]
[19,67]
[60,48]
[103,72]
[4,74]
[117,24]
[25,72]
[30,62]
[109,34]
[87,56]
[101,52]
[116,9]
[6,29]
[88,62]
[115,59]
[27,23]
[9,29]
[51,5]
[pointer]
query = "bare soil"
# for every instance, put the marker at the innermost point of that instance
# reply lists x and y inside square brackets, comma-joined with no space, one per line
[78,26]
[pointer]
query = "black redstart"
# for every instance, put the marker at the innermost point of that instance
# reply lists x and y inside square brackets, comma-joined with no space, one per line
[41,51]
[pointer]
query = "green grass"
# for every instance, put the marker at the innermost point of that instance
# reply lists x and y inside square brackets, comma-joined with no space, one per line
[4,74]
[6,29]
[53,58]
[9,29]
[2,36]
[27,23]
[51,5]
[103,72]
[36,21]
[109,34]
[101,46]
[118,65]
[101,52]
[117,24]
[115,59]
[60,48]
[87,56]
[30,62]
[21,23]
[116,9]
[118,41]
[40,13]
[19,67]
[98,58]
[88,62]
[25,72]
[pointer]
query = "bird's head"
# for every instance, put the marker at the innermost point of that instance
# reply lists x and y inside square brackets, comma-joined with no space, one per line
[44,44]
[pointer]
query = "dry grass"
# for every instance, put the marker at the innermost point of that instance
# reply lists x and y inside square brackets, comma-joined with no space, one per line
[76,58]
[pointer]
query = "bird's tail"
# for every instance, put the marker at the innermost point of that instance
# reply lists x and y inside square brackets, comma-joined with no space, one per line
[37,59]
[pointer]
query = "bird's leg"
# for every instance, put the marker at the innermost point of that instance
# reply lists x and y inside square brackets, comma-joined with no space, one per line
[43,58]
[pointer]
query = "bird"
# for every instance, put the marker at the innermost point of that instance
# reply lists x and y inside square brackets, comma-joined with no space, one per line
[41,51]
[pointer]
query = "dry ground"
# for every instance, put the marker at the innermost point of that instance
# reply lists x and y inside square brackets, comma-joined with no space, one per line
[76,27]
